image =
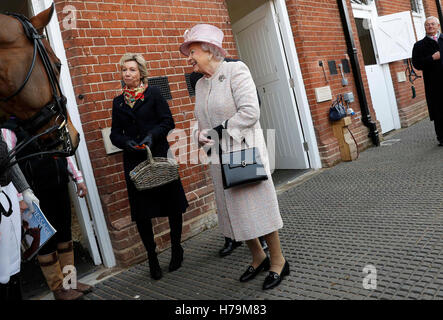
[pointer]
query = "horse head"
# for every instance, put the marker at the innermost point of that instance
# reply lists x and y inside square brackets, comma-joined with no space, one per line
[17,54]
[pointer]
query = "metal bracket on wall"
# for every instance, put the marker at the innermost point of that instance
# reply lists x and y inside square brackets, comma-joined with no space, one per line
[320,63]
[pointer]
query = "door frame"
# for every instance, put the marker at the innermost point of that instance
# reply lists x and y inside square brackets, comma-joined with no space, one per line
[299,90]
[369,12]
[97,227]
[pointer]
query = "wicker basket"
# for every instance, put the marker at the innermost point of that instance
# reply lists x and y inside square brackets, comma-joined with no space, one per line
[154,172]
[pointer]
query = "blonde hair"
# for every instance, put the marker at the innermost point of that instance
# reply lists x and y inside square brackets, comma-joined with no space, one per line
[141,63]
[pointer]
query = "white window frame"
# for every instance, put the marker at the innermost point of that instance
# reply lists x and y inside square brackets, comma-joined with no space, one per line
[419,19]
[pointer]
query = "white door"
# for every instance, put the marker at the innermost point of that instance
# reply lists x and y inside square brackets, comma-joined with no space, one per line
[380,96]
[260,47]
[370,27]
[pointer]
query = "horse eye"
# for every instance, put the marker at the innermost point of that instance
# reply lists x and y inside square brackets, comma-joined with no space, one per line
[58,65]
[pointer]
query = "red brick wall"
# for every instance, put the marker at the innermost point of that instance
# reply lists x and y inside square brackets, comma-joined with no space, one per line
[106,30]
[325,41]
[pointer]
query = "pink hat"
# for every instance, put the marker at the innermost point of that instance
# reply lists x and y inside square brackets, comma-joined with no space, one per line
[202,33]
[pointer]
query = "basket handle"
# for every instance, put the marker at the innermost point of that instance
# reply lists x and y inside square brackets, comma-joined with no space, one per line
[150,160]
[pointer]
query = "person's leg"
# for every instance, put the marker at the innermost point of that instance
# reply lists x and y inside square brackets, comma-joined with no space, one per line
[263,243]
[16,287]
[276,255]
[260,260]
[12,290]
[65,252]
[257,252]
[48,205]
[144,226]
[438,124]
[53,205]
[176,226]
[279,265]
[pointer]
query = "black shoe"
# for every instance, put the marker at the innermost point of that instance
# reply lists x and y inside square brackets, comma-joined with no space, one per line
[251,272]
[230,245]
[154,267]
[176,258]
[273,279]
[263,243]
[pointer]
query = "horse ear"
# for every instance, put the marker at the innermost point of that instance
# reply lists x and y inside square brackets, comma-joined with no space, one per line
[41,20]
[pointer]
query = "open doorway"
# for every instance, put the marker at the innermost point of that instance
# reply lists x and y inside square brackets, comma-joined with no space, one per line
[370,27]
[33,281]
[261,46]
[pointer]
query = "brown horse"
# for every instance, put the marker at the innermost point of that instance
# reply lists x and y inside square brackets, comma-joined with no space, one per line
[16,56]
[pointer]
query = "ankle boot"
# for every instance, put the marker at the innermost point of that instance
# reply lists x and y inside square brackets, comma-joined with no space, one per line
[154,266]
[52,271]
[65,252]
[176,258]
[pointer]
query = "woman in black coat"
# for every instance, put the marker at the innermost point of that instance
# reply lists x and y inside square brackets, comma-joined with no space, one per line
[140,115]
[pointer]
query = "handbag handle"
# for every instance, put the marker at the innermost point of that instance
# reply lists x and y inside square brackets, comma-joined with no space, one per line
[149,158]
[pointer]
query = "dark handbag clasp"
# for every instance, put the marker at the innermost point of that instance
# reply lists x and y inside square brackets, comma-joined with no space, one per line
[242,167]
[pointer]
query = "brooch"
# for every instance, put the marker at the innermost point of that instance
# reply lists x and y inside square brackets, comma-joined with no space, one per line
[221,78]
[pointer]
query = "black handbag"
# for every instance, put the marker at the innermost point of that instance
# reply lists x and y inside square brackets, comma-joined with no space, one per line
[242,167]
[337,110]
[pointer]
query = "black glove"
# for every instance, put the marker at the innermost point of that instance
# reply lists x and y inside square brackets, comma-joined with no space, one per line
[130,145]
[147,140]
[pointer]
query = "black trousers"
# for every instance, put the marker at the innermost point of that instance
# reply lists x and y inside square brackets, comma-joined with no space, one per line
[144,226]
[438,124]
[56,205]
[12,290]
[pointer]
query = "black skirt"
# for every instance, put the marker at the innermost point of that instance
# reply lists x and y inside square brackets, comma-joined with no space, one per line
[163,201]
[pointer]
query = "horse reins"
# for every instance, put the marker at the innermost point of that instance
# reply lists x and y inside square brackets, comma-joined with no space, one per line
[57,107]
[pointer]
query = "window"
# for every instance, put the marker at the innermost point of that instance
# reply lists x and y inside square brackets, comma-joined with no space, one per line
[417,6]
[367,47]
[364,2]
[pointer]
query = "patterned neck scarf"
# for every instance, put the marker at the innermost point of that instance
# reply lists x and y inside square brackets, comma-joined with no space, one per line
[132,95]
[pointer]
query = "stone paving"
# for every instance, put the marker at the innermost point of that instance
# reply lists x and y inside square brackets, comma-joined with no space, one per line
[384,210]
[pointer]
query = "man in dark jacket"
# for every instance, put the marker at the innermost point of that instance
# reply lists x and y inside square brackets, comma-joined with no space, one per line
[426,56]
[230,244]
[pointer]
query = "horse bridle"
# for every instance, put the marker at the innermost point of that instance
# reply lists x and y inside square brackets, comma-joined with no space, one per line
[55,108]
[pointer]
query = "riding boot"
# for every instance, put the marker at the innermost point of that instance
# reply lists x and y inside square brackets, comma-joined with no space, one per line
[66,257]
[52,271]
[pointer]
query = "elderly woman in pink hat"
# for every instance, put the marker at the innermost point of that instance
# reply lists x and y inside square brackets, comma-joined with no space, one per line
[226,102]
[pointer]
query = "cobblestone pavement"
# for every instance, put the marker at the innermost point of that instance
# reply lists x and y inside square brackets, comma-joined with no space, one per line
[384,210]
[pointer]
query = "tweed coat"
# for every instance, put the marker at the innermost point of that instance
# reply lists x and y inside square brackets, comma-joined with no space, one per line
[249,211]
[432,73]
[149,116]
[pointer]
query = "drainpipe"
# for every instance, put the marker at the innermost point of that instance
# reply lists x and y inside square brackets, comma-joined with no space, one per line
[440,14]
[352,52]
